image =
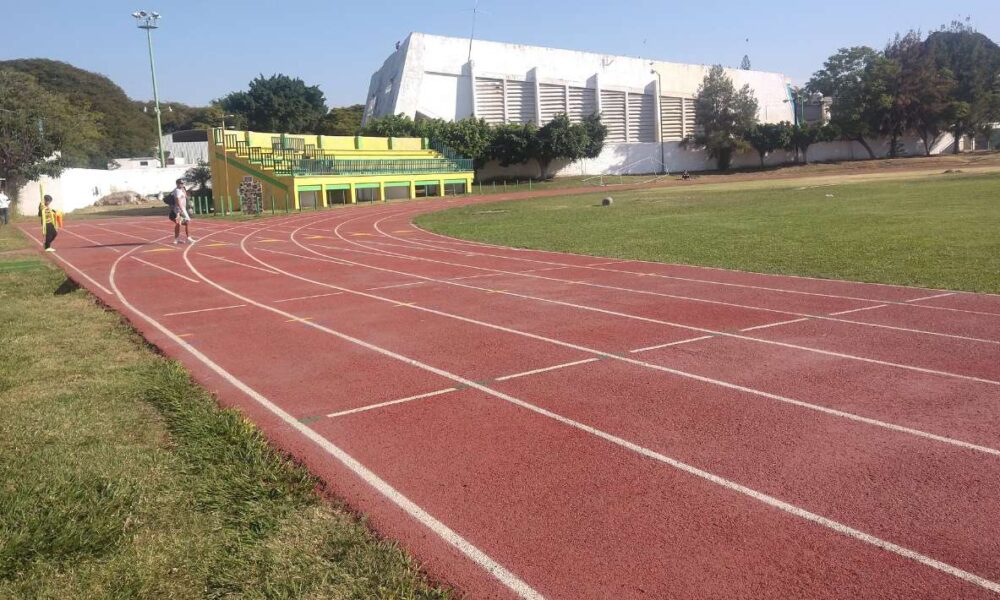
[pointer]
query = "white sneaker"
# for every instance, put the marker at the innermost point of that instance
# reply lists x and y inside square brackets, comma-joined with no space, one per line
[191,239]
[177,241]
[50,249]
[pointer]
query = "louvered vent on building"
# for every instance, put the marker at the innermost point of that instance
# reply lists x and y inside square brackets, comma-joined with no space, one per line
[671,119]
[520,102]
[690,126]
[641,118]
[553,101]
[613,115]
[582,103]
[489,100]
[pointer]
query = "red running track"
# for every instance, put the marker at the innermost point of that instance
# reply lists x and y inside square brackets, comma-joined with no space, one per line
[538,424]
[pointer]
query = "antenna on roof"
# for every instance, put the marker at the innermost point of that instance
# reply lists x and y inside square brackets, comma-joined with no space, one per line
[475,11]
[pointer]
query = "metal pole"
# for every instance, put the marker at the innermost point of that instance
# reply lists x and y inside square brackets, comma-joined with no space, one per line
[156,97]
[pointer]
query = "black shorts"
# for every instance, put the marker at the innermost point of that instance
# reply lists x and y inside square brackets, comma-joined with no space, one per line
[172,216]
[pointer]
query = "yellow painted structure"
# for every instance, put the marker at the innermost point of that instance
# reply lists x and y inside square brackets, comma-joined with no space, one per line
[292,172]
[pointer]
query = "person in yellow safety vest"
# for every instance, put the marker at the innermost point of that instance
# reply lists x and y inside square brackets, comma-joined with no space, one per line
[51,222]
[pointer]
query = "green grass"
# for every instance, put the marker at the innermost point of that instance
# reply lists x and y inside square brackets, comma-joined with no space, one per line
[933,230]
[120,478]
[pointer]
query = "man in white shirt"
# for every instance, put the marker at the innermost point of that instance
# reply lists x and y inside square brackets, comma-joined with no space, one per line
[179,213]
[4,208]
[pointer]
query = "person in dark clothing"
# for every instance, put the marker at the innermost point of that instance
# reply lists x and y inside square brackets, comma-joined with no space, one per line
[50,222]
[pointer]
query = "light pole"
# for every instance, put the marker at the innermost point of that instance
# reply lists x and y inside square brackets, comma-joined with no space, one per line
[147,20]
[659,100]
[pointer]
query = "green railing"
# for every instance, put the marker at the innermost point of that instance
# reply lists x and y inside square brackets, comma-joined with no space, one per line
[388,166]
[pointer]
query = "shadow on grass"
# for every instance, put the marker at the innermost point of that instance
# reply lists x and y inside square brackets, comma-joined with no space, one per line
[68,286]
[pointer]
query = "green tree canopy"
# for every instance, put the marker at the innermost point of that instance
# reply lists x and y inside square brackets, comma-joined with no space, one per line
[277,103]
[847,78]
[769,137]
[40,132]
[124,130]
[341,120]
[723,114]
[974,62]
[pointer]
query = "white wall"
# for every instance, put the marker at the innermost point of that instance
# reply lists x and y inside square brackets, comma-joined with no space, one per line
[79,188]
[639,159]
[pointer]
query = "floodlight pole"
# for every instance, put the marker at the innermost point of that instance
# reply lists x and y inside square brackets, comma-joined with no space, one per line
[148,21]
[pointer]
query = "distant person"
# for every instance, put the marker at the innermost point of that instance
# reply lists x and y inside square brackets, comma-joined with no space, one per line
[51,220]
[179,213]
[685,176]
[4,208]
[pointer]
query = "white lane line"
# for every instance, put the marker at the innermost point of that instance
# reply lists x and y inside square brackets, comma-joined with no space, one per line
[686,298]
[70,265]
[398,285]
[711,477]
[307,297]
[766,325]
[201,310]
[607,262]
[87,239]
[546,369]
[668,344]
[236,263]
[391,402]
[931,297]
[854,310]
[657,367]
[679,278]
[338,261]
[507,578]
[156,266]
[467,276]
[681,326]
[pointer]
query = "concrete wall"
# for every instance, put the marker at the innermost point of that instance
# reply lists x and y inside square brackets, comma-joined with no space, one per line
[79,188]
[638,159]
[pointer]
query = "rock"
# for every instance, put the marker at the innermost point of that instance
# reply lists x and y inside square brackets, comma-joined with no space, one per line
[119,199]
[607,201]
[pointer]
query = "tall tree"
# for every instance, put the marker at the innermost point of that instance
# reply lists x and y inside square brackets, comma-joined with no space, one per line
[924,92]
[769,137]
[974,61]
[40,132]
[470,138]
[559,139]
[723,115]
[278,103]
[846,77]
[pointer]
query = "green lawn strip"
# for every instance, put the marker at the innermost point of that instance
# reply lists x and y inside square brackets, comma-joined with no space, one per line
[120,478]
[937,231]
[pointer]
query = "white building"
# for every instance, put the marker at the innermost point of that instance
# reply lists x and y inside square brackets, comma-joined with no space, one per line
[647,105]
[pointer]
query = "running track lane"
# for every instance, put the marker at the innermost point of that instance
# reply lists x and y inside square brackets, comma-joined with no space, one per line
[589,496]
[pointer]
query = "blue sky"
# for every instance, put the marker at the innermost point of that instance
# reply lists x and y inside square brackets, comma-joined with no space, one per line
[206,48]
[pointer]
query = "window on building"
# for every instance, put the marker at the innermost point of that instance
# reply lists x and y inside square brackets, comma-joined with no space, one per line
[454,189]
[367,194]
[397,192]
[426,190]
[338,197]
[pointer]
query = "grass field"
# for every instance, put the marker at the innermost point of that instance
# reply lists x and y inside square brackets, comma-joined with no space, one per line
[120,478]
[930,229]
